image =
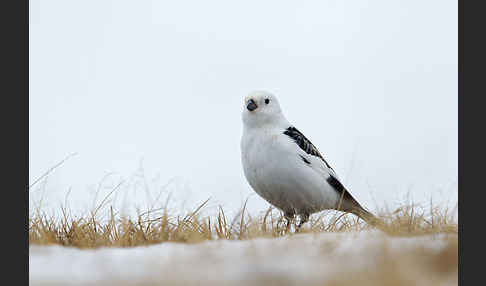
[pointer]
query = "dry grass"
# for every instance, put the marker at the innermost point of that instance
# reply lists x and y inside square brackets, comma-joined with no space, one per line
[105,227]
[417,265]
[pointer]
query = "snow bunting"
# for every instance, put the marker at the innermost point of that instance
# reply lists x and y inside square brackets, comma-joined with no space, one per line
[285,168]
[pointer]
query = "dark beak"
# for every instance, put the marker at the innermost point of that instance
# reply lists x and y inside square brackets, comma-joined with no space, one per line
[251,105]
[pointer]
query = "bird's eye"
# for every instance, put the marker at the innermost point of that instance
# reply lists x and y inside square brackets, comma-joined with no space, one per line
[267,101]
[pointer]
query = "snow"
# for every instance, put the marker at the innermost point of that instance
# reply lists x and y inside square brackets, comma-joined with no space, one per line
[296,259]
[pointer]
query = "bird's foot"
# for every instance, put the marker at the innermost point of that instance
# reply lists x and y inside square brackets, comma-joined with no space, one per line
[303,219]
[290,218]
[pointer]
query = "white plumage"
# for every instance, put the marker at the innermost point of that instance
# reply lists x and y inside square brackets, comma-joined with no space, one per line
[283,166]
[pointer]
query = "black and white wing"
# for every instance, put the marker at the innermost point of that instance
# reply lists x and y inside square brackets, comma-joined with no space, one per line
[306,145]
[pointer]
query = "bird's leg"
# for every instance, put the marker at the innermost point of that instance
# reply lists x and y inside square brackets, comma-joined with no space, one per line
[287,227]
[289,217]
[303,219]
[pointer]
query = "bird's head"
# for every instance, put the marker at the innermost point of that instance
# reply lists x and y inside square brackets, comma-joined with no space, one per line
[261,108]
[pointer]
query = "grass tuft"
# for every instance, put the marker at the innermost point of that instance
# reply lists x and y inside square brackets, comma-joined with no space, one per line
[105,227]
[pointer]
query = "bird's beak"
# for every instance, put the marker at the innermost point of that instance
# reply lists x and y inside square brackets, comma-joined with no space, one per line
[251,105]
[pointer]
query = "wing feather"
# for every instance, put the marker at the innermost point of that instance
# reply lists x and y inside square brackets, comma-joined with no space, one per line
[306,145]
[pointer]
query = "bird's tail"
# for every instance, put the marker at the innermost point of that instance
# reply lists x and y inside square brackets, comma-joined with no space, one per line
[367,216]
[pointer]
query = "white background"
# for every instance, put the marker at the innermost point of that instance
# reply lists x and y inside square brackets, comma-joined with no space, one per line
[159,85]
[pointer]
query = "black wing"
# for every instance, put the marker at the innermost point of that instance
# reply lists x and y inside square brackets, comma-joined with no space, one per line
[336,184]
[304,143]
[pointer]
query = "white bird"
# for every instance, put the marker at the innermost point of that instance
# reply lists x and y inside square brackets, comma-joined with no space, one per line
[285,168]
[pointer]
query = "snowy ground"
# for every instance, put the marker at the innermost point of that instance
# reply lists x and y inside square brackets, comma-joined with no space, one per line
[303,259]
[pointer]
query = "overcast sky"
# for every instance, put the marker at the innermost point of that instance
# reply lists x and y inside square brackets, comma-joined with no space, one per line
[159,85]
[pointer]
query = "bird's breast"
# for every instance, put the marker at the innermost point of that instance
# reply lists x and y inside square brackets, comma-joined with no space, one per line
[262,158]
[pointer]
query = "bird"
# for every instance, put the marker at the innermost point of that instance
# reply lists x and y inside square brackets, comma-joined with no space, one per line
[283,167]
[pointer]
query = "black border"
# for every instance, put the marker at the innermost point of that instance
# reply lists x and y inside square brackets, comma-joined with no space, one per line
[14,21]
[471,50]
[460,134]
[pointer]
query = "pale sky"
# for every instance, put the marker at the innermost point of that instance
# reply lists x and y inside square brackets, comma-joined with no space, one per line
[373,84]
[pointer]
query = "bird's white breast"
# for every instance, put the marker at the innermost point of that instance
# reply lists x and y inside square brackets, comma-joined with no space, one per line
[274,169]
